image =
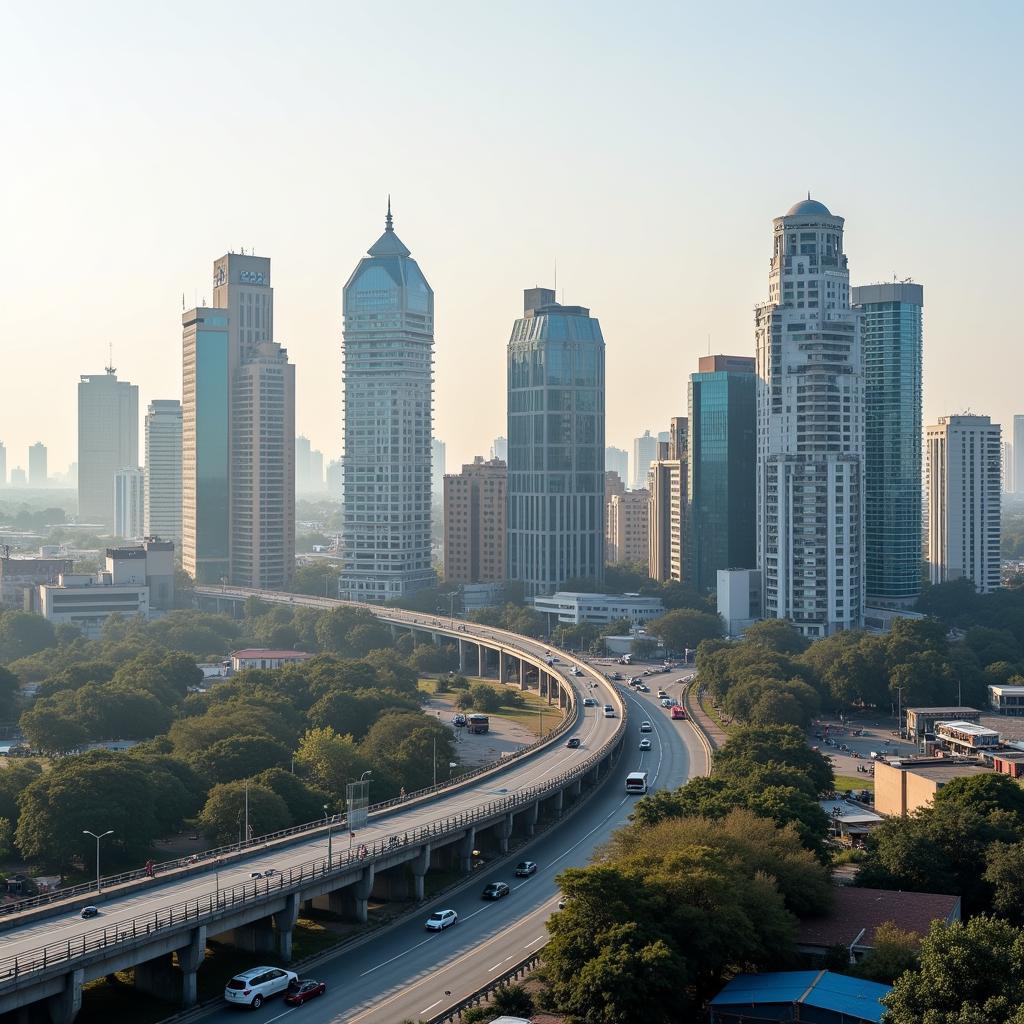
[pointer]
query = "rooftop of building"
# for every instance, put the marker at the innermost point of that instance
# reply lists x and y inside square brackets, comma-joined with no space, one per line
[1012,756]
[955,712]
[268,655]
[855,999]
[849,813]
[1007,691]
[808,206]
[856,914]
[940,769]
[968,727]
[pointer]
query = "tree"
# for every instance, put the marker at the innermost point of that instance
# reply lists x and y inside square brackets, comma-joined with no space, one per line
[22,634]
[751,746]
[969,973]
[50,729]
[239,757]
[317,578]
[893,951]
[685,628]
[17,775]
[332,760]
[223,815]
[643,647]
[484,698]
[408,747]
[1004,872]
[777,635]
[305,801]
[9,689]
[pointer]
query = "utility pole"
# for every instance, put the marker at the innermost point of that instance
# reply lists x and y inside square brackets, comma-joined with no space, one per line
[247,812]
[435,760]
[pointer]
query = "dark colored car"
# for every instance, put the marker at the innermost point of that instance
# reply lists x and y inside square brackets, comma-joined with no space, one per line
[573,743]
[495,891]
[90,912]
[525,868]
[303,989]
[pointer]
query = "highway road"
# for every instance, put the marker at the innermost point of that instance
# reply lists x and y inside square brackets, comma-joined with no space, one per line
[407,972]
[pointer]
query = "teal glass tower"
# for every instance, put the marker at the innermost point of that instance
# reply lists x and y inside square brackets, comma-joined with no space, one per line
[890,317]
[722,407]
[555,445]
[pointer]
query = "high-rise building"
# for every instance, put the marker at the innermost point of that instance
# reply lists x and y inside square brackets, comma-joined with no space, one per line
[37,471]
[438,461]
[163,470]
[963,500]
[238,433]
[810,429]
[388,358]
[108,440]
[335,479]
[18,477]
[722,468]
[475,509]
[1018,454]
[667,480]
[616,460]
[129,502]
[556,445]
[499,449]
[626,527]
[1007,466]
[3,464]
[645,451]
[303,452]
[890,331]
[263,469]
[316,470]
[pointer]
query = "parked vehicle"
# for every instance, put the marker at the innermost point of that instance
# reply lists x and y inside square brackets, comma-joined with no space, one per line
[253,987]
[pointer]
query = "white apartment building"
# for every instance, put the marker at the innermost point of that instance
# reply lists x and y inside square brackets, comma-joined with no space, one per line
[108,440]
[568,608]
[810,429]
[163,470]
[962,488]
[129,503]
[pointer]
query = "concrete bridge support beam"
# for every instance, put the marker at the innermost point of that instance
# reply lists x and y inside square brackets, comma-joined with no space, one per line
[552,688]
[481,660]
[284,924]
[528,818]
[420,866]
[357,896]
[466,845]
[463,657]
[558,803]
[522,674]
[257,937]
[505,833]
[575,788]
[542,684]
[64,1006]
[501,666]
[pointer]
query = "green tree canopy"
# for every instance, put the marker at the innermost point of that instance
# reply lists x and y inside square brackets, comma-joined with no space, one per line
[223,815]
[685,627]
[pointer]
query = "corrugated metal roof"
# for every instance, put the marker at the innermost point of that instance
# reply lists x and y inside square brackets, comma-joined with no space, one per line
[856,999]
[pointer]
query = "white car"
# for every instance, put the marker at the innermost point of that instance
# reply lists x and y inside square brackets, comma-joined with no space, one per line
[645,744]
[589,702]
[666,702]
[441,919]
[645,726]
[251,988]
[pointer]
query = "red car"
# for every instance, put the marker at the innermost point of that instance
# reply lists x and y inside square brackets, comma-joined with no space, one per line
[306,988]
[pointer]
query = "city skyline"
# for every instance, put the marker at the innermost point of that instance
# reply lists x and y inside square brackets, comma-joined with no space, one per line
[315,203]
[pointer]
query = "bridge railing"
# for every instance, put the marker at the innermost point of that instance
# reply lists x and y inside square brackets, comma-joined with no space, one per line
[208,906]
[179,863]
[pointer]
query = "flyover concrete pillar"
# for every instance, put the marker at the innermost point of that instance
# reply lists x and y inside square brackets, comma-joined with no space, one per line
[558,802]
[542,683]
[501,666]
[64,1006]
[284,923]
[575,788]
[420,866]
[552,688]
[481,660]
[435,639]
[505,832]
[257,937]
[358,896]
[463,656]
[157,977]
[522,674]
[528,818]
[563,698]
[466,846]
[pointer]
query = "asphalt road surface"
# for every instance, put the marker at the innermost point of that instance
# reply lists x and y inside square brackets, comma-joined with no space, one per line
[407,971]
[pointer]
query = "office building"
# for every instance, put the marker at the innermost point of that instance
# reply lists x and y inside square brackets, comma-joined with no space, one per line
[1018,454]
[163,470]
[568,608]
[616,460]
[3,464]
[556,445]
[129,503]
[1007,467]
[810,429]
[738,596]
[18,477]
[890,331]
[722,467]
[309,467]
[499,449]
[645,451]
[388,352]
[626,527]
[335,480]
[108,440]
[438,469]
[475,518]
[238,433]
[37,472]
[20,578]
[963,500]
[667,506]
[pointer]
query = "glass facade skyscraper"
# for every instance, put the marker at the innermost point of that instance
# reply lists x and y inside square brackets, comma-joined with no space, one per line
[890,328]
[722,464]
[555,445]
[388,353]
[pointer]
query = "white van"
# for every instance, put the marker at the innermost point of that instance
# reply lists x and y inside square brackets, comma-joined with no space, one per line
[609,711]
[636,782]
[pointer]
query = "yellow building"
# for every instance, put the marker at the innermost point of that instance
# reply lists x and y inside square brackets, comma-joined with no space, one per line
[901,787]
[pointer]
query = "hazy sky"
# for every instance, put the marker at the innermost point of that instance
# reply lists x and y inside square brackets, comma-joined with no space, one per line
[645,146]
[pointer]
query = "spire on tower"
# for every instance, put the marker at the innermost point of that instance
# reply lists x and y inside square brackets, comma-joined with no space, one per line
[388,224]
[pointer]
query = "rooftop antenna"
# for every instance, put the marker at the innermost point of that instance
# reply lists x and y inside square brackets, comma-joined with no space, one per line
[808,193]
[110,368]
[388,221]
[555,289]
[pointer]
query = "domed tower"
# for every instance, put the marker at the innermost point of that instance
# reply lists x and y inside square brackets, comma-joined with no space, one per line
[388,351]
[810,429]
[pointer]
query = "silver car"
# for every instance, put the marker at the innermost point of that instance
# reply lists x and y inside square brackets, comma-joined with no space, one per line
[251,988]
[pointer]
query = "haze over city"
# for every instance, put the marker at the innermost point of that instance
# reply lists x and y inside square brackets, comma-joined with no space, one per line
[645,151]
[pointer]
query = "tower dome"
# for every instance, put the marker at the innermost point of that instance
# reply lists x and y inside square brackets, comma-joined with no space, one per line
[808,206]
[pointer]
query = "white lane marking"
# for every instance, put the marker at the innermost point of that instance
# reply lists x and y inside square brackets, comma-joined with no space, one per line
[280,1015]
[533,942]
[430,1007]
[397,956]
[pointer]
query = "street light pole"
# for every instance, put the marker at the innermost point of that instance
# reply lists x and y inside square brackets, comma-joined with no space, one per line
[330,829]
[103,835]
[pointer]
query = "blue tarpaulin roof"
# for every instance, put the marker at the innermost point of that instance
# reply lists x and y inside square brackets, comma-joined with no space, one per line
[855,999]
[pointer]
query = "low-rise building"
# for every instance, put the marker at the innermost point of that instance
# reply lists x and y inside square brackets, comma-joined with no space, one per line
[1007,700]
[19,578]
[1009,761]
[855,914]
[902,787]
[966,738]
[255,657]
[821,997]
[565,608]
[850,820]
[923,720]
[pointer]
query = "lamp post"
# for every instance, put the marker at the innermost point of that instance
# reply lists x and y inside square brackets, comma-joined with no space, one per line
[103,835]
[451,609]
[330,829]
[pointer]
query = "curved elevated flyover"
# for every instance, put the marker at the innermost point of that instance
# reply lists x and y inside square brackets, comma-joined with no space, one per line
[49,952]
